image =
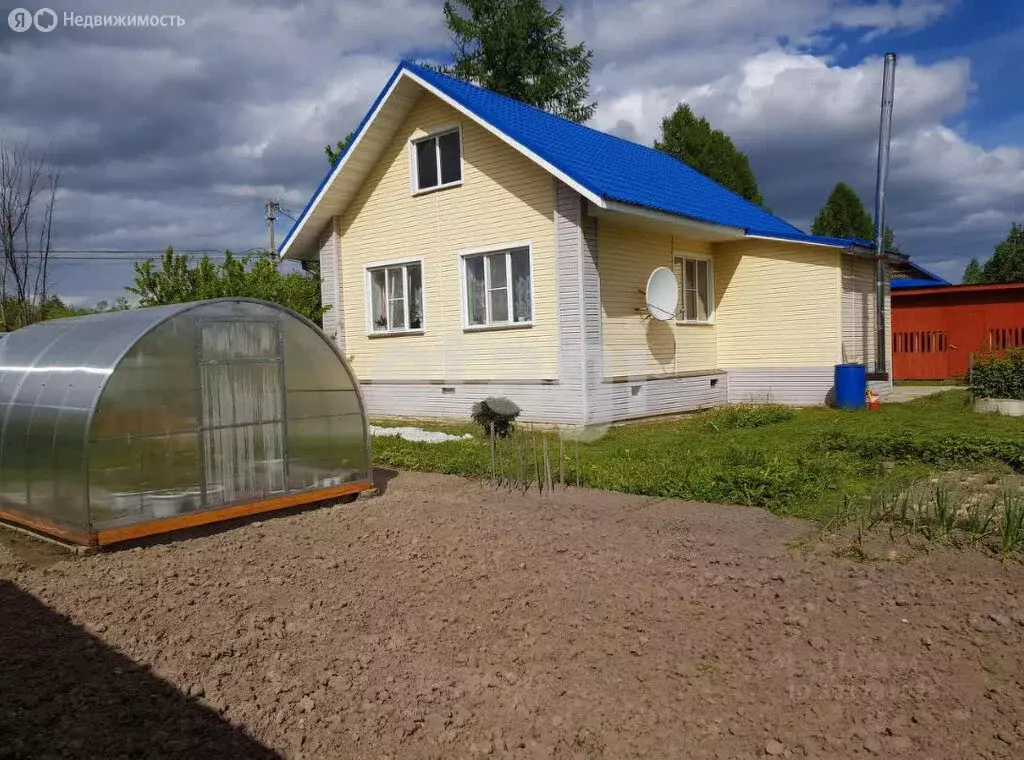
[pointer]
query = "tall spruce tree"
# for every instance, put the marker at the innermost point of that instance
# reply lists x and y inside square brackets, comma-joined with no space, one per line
[693,140]
[516,48]
[844,216]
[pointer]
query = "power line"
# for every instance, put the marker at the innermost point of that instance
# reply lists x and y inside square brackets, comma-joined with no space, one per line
[218,250]
[124,255]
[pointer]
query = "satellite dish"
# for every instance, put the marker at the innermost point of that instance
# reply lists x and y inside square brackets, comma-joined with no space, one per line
[662,294]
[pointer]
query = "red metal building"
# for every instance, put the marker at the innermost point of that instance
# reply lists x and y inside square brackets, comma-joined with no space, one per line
[935,330]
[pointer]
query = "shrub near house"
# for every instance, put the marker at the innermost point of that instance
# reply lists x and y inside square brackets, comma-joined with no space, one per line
[999,376]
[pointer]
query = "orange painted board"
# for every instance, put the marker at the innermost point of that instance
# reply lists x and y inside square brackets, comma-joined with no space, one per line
[47,528]
[195,519]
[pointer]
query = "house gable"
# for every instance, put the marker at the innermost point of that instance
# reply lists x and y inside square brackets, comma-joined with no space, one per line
[504,199]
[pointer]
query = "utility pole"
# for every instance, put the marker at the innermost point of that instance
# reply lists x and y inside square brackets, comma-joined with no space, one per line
[272,207]
[881,177]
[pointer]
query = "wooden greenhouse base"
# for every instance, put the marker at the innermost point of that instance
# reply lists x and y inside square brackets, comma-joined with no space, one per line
[188,520]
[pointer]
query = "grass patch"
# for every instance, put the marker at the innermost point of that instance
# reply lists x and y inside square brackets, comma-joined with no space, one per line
[930,383]
[803,462]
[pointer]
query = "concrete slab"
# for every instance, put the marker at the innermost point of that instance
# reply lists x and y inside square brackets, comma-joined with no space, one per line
[903,393]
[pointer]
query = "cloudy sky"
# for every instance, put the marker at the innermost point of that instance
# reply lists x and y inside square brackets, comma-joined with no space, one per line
[177,135]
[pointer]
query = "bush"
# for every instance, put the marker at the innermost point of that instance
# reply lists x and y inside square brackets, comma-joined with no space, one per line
[497,412]
[750,416]
[953,449]
[999,376]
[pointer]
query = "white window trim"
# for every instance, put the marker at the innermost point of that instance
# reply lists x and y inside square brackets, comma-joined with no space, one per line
[680,257]
[414,180]
[368,297]
[464,296]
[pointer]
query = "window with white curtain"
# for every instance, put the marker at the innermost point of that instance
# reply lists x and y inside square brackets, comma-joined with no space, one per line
[437,161]
[396,297]
[696,283]
[498,288]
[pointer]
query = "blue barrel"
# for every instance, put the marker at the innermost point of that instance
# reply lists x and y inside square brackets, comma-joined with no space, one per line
[851,386]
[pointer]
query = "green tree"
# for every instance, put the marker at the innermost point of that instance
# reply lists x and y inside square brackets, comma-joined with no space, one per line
[1007,261]
[335,151]
[120,304]
[1006,264]
[177,280]
[843,216]
[973,274]
[518,48]
[710,151]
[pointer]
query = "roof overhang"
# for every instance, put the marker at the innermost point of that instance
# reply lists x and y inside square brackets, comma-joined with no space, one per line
[694,229]
[345,177]
[1011,288]
[849,247]
[370,139]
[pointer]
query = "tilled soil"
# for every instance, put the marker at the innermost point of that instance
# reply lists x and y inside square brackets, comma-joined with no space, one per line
[447,619]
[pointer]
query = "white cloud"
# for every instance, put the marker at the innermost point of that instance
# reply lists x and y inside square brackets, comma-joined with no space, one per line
[177,136]
[807,123]
[635,29]
[795,96]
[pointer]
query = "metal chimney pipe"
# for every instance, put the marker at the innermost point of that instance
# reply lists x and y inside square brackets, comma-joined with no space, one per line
[881,178]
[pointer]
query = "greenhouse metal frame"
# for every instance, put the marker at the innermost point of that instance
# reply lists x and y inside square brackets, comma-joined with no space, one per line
[126,424]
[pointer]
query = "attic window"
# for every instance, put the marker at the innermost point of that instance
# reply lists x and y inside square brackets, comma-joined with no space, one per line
[437,161]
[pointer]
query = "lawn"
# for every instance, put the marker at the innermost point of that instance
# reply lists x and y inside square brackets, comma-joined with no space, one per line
[803,462]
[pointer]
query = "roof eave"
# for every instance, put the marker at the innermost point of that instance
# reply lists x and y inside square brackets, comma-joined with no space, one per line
[307,228]
[696,229]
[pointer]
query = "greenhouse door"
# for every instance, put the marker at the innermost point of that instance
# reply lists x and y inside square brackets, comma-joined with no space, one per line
[241,386]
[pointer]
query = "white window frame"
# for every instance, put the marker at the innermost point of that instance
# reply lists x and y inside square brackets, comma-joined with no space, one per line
[464,295]
[414,179]
[680,259]
[368,296]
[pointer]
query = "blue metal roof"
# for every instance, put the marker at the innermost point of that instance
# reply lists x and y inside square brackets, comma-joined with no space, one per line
[915,282]
[609,167]
[922,278]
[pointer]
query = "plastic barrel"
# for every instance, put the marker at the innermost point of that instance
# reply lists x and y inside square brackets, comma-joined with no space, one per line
[851,383]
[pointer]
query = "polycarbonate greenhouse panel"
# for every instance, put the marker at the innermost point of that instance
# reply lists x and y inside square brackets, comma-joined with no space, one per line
[129,423]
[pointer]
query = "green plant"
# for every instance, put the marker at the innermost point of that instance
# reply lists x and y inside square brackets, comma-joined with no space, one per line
[496,415]
[999,375]
[979,520]
[749,416]
[802,467]
[176,279]
[945,514]
[1013,522]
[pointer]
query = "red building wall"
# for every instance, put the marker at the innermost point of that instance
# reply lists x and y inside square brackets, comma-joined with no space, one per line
[935,330]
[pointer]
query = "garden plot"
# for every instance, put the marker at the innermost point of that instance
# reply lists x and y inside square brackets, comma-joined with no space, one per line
[447,618]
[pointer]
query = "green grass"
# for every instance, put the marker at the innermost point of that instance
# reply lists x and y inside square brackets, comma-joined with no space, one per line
[805,462]
[930,383]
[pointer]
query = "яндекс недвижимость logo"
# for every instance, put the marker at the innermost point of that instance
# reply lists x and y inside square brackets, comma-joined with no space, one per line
[21,20]
[46,20]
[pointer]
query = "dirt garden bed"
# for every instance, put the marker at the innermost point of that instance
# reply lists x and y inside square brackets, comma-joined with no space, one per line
[447,619]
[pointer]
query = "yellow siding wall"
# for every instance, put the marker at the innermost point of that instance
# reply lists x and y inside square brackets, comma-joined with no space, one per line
[504,198]
[778,305]
[634,346]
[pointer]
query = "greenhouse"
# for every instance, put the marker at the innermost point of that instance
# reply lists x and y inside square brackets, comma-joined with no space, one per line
[130,423]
